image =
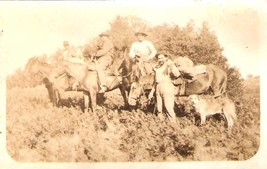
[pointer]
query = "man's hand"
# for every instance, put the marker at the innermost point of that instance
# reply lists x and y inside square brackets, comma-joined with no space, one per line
[151,94]
[169,63]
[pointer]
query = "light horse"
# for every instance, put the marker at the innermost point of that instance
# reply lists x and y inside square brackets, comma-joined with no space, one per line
[90,82]
[87,79]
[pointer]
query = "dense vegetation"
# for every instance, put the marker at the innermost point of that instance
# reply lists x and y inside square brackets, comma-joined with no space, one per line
[37,131]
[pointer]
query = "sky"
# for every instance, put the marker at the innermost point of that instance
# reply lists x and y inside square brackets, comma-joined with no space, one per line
[36,28]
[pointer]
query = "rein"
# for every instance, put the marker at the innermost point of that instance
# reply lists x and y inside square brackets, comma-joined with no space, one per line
[61,76]
[127,75]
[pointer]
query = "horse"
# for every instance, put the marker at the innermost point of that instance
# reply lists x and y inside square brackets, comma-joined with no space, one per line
[212,82]
[141,85]
[88,79]
[90,82]
[55,85]
[59,87]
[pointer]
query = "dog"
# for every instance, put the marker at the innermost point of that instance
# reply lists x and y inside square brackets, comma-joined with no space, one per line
[213,106]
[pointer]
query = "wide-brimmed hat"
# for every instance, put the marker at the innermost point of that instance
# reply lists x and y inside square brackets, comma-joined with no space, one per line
[140,33]
[104,34]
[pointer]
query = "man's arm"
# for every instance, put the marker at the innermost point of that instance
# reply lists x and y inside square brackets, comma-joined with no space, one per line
[173,68]
[151,93]
[152,50]
[132,51]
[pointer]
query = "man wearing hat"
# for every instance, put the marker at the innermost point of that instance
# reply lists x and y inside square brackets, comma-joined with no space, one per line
[67,52]
[143,51]
[104,57]
[70,54]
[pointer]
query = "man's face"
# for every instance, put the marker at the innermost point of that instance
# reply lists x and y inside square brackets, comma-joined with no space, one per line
[161,59]
[140,37]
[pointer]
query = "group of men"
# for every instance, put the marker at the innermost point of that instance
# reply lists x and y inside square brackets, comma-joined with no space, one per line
[141,52]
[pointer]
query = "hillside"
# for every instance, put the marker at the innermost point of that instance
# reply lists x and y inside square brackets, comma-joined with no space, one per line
[252,87]
[37,131]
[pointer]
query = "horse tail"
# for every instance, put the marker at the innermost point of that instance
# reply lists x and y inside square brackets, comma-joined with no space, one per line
[224,84]
[210,74]
[218,80]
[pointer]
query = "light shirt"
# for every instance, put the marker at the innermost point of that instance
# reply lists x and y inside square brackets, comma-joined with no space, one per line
[145,50]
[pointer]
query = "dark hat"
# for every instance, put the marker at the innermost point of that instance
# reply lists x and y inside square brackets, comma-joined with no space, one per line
[140,33]
[104,34]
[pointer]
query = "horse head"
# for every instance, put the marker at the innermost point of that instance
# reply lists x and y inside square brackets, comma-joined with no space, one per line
[136,91]
[35,65]
[30,66]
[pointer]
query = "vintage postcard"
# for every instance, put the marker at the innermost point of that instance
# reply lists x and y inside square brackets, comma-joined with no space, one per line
[123,84]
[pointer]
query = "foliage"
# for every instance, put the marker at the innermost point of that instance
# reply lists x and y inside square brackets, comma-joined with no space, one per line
[37,131]
[235,84]
[123,30]
[201,45]
[20,79]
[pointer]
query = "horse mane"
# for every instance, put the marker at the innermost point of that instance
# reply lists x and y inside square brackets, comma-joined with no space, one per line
[123,63]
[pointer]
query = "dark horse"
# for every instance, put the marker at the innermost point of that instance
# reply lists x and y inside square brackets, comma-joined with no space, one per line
[54,85]
[214,80]
[87,79]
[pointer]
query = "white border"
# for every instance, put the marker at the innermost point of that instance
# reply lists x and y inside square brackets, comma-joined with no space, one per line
[258,161]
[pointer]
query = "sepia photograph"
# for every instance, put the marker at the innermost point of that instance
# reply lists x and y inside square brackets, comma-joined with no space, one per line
[132,84]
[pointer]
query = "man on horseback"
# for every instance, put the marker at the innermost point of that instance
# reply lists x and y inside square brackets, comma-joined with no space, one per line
[103,59]
[143,51]
[70,54]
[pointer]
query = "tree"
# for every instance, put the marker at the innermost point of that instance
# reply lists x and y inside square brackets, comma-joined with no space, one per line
[200,45]
[122,31]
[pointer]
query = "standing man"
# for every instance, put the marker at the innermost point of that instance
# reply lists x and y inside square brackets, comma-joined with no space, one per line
[143,51]
[165,91]
[104,57]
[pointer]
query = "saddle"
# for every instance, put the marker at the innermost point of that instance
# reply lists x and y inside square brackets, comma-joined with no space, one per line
[93,67]
[181,83]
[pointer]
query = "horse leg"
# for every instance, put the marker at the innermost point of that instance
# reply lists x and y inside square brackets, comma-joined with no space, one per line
[86,101]
[124,95]
[93,96]
[56,97]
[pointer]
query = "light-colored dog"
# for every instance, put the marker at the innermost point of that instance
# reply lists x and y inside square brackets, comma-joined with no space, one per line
[213,106]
